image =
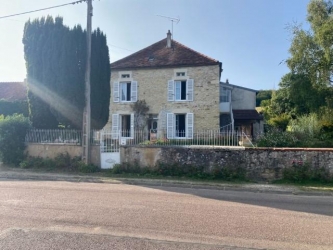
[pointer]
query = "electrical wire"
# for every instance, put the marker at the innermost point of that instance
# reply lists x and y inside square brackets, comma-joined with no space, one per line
[57,6]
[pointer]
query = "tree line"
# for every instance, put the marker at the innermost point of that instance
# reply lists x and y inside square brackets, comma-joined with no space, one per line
[303,104]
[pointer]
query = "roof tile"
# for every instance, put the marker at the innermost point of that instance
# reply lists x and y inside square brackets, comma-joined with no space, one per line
[13,91]
[158,55]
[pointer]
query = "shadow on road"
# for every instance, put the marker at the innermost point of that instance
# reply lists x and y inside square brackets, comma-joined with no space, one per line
[322,205]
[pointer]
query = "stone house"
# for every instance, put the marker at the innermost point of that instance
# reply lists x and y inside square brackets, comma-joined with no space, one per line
[180,86]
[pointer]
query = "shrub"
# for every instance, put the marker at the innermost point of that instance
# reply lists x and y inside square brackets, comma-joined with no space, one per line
[277,138]
[301,172]
[62,162]
[307,124]
[12,138]
[185,170]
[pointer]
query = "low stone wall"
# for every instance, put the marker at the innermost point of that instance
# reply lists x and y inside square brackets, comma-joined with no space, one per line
[261,164]
[45,150]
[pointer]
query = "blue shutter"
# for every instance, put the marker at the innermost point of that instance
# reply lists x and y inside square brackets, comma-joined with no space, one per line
[189,125]
[115,126]
[171,95]
[132,126]
[134,91]
[116,92]
[170,126]
[190,89]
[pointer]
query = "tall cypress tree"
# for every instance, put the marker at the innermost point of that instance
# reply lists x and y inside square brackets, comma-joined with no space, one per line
[56,60]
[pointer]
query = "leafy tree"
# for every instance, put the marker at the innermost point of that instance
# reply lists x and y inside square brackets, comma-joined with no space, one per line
[56,60]
[12,134]
[10,108]
[263,95]
[312,51]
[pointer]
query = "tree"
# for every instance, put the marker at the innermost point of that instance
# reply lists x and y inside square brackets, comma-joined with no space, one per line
[12,134]
[312,51]
[55,59]
[140,109]
[263,95]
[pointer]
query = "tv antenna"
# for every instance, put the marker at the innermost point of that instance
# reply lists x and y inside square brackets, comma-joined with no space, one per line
[172,19]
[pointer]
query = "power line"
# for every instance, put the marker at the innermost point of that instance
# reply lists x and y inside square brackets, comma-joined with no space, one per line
[53,7]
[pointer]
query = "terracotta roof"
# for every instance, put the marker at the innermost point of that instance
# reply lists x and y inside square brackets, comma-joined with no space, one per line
[158,55]
[246,114]
[13,91]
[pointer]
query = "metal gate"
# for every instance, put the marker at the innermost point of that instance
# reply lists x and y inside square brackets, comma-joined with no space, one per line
[109,148]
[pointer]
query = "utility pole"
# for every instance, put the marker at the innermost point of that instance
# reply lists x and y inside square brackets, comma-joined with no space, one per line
[87,112]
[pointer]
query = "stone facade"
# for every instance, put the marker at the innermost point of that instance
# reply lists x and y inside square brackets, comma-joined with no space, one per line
[261,164]
[152,86]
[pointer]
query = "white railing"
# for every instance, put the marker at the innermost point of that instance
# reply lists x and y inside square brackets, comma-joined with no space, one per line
[111,140]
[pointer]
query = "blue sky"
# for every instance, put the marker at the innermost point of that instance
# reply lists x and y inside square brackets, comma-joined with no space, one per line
[248,36]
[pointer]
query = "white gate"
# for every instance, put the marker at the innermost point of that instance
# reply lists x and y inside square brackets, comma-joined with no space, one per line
[109,148]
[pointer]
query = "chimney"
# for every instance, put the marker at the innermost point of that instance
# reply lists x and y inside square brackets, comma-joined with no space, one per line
[168,39]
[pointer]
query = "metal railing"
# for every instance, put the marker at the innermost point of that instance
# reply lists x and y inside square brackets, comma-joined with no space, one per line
[111,140]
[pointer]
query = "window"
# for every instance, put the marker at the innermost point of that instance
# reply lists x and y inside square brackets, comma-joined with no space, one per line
[225,95]
[180,74]
[125,91]
[122,125]
[126,125]
[125,76]
[180,90]
[180,126]
[125,88]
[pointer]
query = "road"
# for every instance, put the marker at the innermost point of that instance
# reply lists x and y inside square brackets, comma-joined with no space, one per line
[76,215]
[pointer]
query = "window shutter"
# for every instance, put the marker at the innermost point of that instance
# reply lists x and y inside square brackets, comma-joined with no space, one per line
[115,126]
[190,89]
[170,126]
[132,126]
[116,92]
[134,91]
[190,125]
[171,95]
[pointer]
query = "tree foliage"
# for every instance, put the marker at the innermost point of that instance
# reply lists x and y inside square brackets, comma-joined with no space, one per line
[263,95]
[55,60]
[312,51]
[12,135]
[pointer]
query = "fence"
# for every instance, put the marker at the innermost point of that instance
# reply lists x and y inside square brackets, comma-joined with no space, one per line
[111,140]
[59,136]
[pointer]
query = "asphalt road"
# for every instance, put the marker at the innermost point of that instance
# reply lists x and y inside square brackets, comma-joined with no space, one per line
[69,215]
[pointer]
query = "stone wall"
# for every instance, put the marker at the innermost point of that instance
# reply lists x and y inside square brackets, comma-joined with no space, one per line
[52,150]
[153,88]
[261,164]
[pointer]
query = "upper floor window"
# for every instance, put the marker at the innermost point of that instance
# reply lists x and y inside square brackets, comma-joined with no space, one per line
[225,95]
[180,74]
[181,90]
[125,91]
[125,75]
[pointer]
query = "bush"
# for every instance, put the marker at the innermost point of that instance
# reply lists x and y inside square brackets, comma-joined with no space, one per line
[12,138]
[301,172]
[277,138]
[175,170]
[62,162]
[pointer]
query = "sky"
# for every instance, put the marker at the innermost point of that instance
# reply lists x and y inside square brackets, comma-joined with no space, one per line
[249,37]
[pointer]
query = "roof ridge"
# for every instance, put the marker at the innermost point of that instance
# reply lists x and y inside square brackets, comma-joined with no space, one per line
[210,58]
